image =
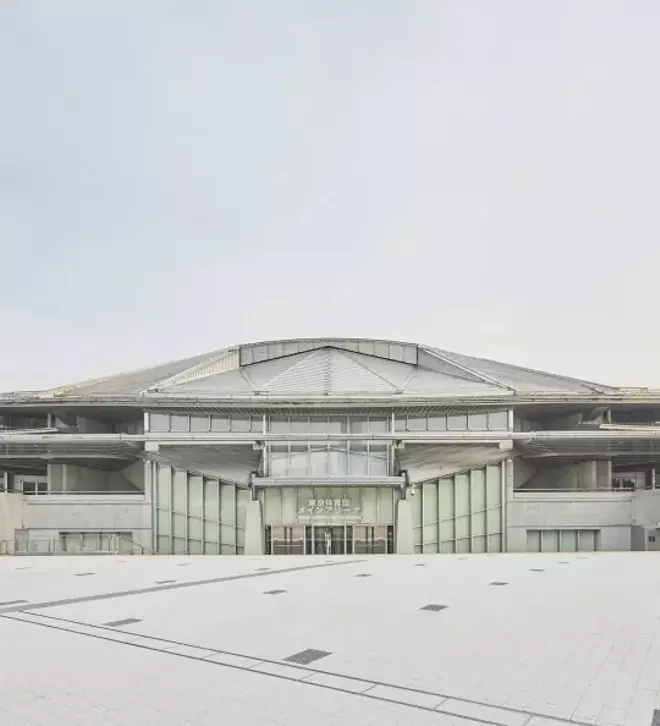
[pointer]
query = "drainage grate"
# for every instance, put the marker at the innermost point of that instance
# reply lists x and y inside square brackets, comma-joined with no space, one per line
[84,574]
[274,592]
[499,584]
[305,657]
[363,574]
[536,569]
[13,602]
[183,564]
[23,568]
[420,565]
[262,569]
[564,563]
[163,582]
[656,718]
[126,621]
[434,608]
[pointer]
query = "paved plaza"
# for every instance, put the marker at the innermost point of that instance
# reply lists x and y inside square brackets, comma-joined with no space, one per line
[517,640]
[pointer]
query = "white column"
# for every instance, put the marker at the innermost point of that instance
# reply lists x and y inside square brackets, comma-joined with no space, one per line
[405,542]
[254,530]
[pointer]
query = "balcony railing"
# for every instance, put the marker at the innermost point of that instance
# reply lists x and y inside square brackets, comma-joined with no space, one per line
[58,546]
[84,493]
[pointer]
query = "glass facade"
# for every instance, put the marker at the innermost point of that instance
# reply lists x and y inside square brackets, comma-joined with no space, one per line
[327,505]
[327,459]
[328,520]
[454,421]
[563,540]
[196,514]
[462,513]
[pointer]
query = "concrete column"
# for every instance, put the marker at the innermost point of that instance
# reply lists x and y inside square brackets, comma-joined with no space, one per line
[604,474]
[254,530]
[405,543]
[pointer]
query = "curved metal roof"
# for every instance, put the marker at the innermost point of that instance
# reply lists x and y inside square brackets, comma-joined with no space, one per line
[334,367]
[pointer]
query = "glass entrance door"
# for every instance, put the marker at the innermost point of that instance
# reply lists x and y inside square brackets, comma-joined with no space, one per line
[378,540]
[329,540]
[285,540]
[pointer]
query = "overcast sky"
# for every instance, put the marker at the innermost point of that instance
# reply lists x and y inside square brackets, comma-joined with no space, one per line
[180,176]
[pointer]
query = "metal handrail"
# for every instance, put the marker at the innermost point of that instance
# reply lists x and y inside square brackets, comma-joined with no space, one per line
[54,547]
[573,489]
[111,492]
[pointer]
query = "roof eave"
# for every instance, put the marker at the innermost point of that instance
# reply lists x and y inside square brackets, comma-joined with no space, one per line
[266,401]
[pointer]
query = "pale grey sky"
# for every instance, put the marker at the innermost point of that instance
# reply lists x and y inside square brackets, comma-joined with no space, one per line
[180,176]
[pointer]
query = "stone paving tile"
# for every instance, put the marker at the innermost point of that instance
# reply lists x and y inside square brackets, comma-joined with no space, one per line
[404,696]
[132,687]
[487,713]
[569,644]
[345,684]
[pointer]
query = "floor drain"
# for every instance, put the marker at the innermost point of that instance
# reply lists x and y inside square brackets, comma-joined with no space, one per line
[126,621]
[499,584]
[305,657]
[434,608]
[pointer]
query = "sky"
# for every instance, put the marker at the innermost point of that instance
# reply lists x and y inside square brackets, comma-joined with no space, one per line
[479,176]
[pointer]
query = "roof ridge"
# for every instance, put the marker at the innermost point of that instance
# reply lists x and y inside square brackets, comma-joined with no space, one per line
[182,376]
[57,390]
[596,387]
[287,371]
[350,355]
[442,355]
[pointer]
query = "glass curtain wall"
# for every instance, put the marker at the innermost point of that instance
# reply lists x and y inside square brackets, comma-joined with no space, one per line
[454,421]
[196,514]
[299,459]
[462,513]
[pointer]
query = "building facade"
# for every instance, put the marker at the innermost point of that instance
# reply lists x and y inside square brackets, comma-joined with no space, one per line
[329,446]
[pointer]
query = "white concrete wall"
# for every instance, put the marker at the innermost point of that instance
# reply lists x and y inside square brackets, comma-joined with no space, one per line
[583,475]
[646,510]
[89,512]
[609,512]
[75,478]
[12,507]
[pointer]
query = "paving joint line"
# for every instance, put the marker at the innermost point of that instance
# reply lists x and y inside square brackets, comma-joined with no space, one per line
[472,719]
[312,671]
[173,586]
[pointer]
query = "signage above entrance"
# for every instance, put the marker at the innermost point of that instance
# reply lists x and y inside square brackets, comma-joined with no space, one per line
[329,508]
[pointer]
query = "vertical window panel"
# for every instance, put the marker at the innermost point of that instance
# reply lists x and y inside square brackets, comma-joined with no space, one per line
[179,422]
[219,424]
[240,424]
[457,422]
[478,422]
[159,421]
[200,423]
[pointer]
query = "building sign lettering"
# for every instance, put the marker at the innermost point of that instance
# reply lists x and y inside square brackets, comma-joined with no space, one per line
[329,508]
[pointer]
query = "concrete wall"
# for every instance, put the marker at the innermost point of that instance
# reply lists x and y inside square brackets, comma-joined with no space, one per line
[646,509]
[582,475]
[46,516]
[609,512]
[12,507]
[75,478]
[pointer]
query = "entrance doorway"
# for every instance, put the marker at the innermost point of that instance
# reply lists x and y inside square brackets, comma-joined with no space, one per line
[330,540]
